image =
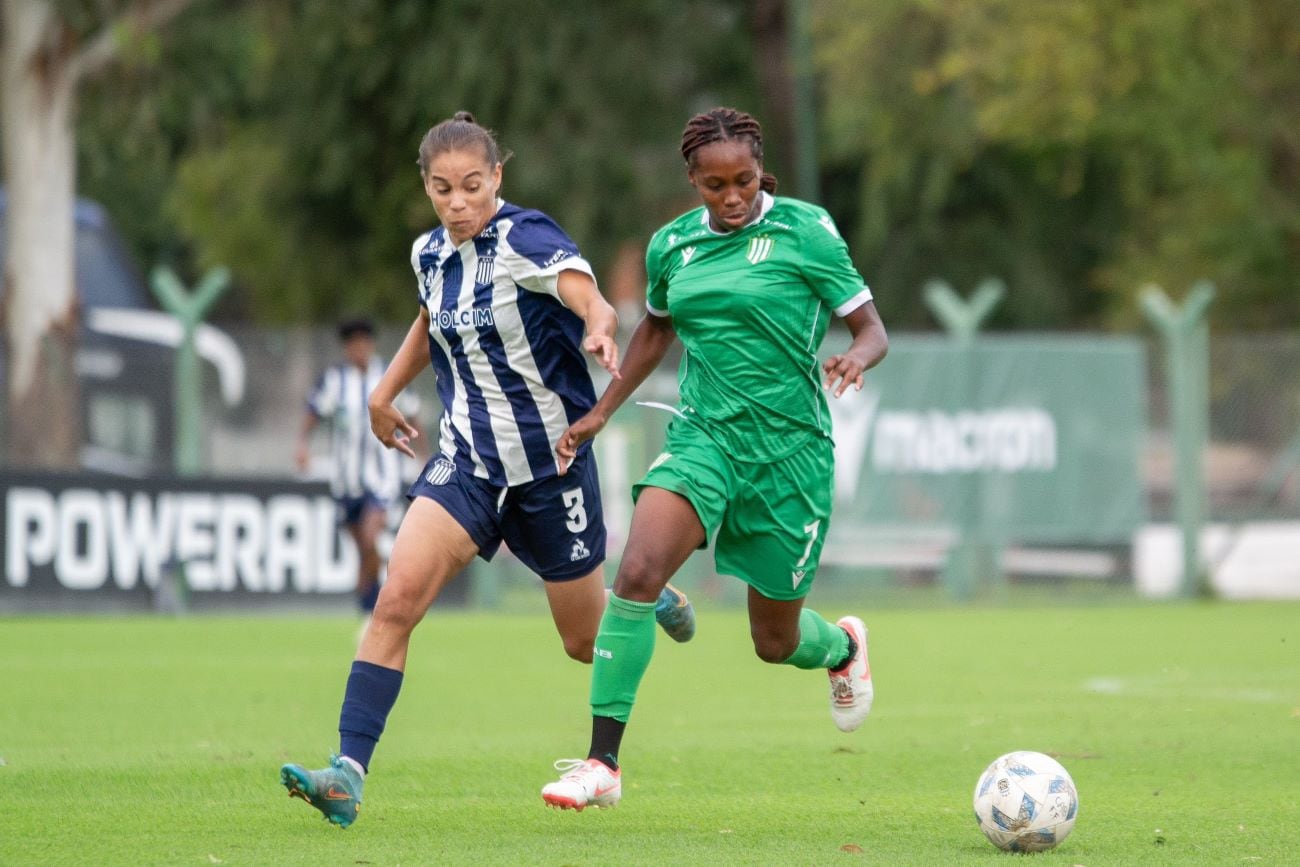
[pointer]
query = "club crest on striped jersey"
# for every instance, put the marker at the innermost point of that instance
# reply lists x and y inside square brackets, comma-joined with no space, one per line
[486,265]
[760,248]
[440,472]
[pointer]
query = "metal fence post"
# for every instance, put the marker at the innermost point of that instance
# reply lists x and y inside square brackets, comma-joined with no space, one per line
[1185,333]
[973,554]
[189,309]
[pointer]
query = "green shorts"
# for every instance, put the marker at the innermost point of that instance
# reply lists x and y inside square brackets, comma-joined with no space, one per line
[767,522]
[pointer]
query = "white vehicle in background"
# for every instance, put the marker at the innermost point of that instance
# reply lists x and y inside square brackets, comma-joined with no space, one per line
[126,354]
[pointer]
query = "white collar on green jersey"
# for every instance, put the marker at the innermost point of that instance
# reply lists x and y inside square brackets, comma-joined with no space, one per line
[766,205]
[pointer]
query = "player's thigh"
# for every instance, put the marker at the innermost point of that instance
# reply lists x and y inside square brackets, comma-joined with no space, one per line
[431,547]
[680,502]
[556,526]
[665,532]
[773,534]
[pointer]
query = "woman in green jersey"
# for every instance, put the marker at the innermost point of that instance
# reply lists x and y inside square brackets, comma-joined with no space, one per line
[748,282]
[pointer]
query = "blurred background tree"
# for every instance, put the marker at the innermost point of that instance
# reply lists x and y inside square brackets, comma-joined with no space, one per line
[281,138]
[1079,149]
[48,52]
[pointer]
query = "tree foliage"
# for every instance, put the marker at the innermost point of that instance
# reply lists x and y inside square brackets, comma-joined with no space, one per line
[1079,148]
[280,138]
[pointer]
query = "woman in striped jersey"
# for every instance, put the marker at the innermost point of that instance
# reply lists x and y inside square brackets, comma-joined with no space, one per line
[508,311]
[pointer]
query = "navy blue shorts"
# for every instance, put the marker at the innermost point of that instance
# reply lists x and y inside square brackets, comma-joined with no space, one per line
[555,526]
[350,509]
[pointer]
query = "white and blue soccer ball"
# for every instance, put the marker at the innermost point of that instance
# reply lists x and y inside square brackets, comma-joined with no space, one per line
[1026,802]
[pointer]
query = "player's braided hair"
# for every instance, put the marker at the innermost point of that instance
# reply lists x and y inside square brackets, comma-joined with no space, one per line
[725,124]
[459,132]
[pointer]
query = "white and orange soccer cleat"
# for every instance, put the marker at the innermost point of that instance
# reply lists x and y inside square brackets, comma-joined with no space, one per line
[851,689]
[583,783]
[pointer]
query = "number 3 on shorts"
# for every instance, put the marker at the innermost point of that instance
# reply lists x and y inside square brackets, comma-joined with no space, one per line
[577,514]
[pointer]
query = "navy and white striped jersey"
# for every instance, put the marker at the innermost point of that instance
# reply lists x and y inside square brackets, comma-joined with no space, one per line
[360,465]
[508,355]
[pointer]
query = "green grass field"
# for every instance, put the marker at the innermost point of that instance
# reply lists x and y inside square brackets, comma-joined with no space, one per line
[157,741]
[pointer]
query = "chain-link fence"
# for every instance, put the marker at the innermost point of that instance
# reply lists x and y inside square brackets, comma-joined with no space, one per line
[1051,450]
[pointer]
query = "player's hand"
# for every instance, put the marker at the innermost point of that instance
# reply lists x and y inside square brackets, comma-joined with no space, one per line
[845,369]
[578,433]
[606,352]
[392,429]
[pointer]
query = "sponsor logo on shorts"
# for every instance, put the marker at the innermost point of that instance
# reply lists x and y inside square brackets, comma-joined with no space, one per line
[440,472]
[579,551]
[798,575]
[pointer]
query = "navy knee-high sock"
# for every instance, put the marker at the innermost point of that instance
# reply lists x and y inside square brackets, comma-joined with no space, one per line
[371,692]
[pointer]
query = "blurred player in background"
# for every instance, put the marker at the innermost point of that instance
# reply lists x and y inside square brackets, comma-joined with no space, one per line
[748,282]
[507,308]
[365,477]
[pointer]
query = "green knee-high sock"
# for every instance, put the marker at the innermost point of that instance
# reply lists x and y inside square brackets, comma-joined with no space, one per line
[624,645]
[821,644]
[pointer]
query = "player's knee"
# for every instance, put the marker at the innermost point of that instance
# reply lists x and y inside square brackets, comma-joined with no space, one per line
[398,609]
[774,649]
[638,578]
[579,648]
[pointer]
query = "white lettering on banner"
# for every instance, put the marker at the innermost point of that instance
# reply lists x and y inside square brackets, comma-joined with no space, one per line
[288,550]
[334,568]
[82,556]
[852,416]
[902,441]
[142,537]
[29,532]
[195,542]
[241,538]
[1007,441]
[226,541]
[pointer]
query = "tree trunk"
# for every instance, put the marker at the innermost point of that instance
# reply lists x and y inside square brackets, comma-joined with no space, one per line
[43,422]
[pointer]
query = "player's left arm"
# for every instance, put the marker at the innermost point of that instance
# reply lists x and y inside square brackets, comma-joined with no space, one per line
[578,292]
[870,343]
[387,422]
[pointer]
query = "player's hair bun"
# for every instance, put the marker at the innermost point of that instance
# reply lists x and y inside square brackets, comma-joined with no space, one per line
[464,117]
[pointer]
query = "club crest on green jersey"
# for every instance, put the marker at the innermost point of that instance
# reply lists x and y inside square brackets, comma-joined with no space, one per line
[759,249]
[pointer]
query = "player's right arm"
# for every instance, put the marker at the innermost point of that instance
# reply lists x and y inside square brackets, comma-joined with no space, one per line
[387,422]
[650,341]
[648,346]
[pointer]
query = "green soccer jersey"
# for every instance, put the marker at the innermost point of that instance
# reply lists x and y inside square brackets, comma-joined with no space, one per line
[751,308]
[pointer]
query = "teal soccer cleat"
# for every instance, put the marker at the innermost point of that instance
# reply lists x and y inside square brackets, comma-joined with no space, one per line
[675,614]
[335,791]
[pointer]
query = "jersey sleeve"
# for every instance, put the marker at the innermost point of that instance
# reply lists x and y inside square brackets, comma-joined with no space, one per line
[421,285]
[656,290]
[323,399]
[829,270]
[537,250]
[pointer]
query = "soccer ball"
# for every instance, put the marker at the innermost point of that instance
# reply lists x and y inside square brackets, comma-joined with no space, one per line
[1025,802]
